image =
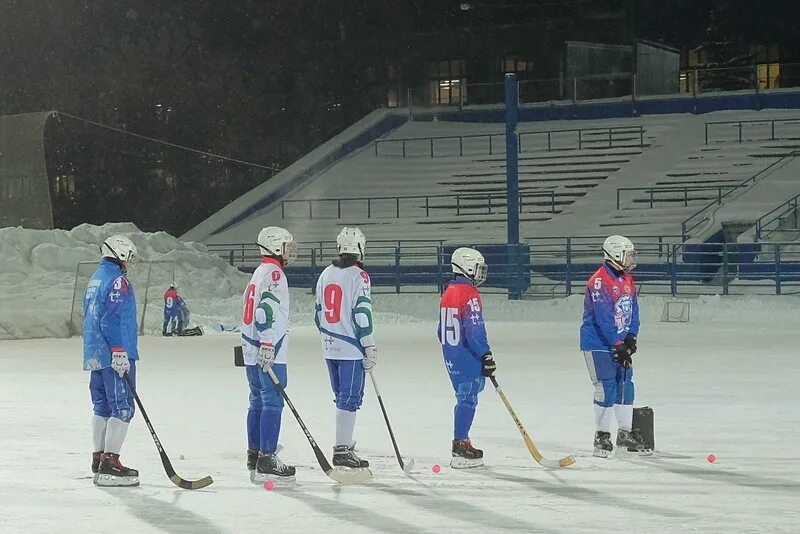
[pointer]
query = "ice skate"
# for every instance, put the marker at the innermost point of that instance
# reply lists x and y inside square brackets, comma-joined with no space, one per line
[270,467]
[465,456]
[602,444]
[252,459]
[630,441]
[344,456]
[111,473]
[97,457]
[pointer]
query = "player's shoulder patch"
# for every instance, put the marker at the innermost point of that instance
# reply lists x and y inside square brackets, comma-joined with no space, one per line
[364,276]
[120,283]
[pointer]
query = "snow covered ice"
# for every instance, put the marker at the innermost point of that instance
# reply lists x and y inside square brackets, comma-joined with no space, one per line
[725,383]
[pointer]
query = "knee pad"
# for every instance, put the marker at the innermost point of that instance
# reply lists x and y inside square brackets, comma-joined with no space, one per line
[605,393]
[467,393]
[123,414]
[270,398]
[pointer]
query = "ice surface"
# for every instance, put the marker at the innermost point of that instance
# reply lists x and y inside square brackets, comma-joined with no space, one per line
[725,383]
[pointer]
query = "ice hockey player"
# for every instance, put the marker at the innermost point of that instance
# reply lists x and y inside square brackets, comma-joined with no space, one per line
[608,341]
[173,312]
[467,356]
[265,346]
[343,315]
[110,352]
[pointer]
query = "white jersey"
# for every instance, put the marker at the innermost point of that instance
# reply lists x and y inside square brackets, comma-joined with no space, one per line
[266,312]
[344,312]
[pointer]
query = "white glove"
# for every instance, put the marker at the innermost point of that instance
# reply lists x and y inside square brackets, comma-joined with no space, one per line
[266,356]
[370,357]
[119,361]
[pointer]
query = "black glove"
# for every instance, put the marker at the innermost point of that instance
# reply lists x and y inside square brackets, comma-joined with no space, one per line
[488,367]
[622,355]
[630,343]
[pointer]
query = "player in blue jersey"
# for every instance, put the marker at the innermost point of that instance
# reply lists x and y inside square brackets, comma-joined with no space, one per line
[608,339]
[467,356]
[174,313]
[110,352]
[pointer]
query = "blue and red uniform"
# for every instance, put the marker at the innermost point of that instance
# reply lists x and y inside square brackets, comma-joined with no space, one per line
[610,313]
[462,334]
[173,314]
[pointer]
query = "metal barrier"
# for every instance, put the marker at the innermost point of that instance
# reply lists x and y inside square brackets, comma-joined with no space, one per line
[700,216]
[739,127]
[772,220]
[655,191]
[491,143]
[560,266]
[414,205]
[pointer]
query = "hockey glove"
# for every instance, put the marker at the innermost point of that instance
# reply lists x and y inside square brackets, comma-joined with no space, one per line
[119,361]
[622,355]
[488,367]
[266,356]
[370,357]
[630,343]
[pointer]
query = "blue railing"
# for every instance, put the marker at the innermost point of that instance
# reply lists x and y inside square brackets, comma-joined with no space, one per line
[747,130]
[560,266]
[493,143]
[773,219]
[701,215]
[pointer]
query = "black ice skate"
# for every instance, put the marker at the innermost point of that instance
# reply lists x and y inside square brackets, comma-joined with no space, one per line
[270,467]
[344,456]
[96,459]
[602,444]
[252,458]
[631,441]
[465,455]
[111,472]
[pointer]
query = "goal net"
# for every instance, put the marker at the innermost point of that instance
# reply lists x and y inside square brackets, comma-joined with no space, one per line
[149,279]
[675,311]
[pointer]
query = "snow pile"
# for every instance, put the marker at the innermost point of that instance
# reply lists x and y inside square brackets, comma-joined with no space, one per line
[38,276]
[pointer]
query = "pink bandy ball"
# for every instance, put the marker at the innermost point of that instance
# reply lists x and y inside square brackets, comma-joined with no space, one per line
[269,485]
[436,468]
[711,458]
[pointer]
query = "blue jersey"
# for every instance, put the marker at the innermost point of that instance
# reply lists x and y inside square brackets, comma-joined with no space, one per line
[109,317]
[172,303]
[610,310]
[462,332]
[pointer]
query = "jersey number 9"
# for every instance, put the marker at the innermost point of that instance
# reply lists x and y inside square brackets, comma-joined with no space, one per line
[332,296]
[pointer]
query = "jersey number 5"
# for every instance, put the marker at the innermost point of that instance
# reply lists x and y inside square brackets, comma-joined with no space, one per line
[332,296]
[451,328]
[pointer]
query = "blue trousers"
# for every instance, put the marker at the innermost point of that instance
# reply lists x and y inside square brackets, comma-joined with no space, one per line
[347,382]
[173,322]
[111,396]
[609,378]
[466,403]
[266,407]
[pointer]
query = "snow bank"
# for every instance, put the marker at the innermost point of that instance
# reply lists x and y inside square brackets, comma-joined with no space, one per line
[37,278]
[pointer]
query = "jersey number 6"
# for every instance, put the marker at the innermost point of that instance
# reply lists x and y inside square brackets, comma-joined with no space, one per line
[249,304]
[333,303]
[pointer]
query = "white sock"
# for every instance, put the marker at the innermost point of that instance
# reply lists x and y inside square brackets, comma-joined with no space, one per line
[116,430]
[602,418]
[345,422]
[99,432]
[624,413]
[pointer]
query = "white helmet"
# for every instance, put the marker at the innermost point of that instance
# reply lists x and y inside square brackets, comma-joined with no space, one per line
[351,241]
[619,251]
[120,248]
[277,241]
[470,263]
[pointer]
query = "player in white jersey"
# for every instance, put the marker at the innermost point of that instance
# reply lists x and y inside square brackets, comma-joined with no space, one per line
[344,319]
[265,344]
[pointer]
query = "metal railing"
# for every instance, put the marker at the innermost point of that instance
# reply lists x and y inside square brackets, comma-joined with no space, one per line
[395,207]
[748,130]
[701,215]
[655,193]
[773,219]
[494,143]
[560,266]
